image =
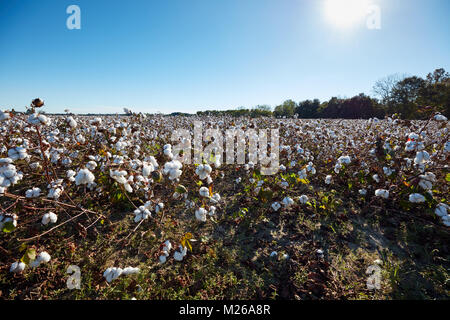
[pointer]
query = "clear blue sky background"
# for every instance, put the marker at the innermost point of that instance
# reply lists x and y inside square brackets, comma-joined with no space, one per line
[189,55]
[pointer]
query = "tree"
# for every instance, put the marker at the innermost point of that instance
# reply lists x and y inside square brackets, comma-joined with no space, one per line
[308,109]
[286,109]
[383,88]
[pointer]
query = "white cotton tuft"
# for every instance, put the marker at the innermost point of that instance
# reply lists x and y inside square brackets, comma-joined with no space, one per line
[17,267]
[382,193]
[416,198]
[84,176]
[200,214]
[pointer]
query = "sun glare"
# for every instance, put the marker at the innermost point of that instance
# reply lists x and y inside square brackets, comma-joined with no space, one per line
[345,13]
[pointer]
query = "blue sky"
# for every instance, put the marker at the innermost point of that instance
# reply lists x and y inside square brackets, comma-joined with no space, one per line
[190,55]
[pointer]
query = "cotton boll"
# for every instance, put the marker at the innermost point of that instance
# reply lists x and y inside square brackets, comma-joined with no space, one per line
[303,199]
[204,192]
[273,254]
[130,270]
[141,213]
[173,169]
[287,202]
[84,177]
[344,160]
[147,169]
[276,206]
[440,117]
[167,245]
[446,220]
[33,193]
[49,217]
[43,257]
[362,192]
[162,259]
[302,174]
[203,171]
[416,198]
[159,207]
[441,209]
[200,214]
[128,187]
[212,210]
[422,157]
[179,255]
[388,171]
[328,179]
[4,115]
[382,193]
[17,267]
[215,198]
[426,180]
[319,253]
[91,165]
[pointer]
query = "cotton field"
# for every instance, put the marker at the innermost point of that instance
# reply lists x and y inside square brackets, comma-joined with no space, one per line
[113,196]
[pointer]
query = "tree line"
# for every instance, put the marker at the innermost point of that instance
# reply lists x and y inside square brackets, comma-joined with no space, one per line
[410,97]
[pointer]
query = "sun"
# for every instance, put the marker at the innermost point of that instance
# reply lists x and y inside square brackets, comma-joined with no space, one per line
[345,13]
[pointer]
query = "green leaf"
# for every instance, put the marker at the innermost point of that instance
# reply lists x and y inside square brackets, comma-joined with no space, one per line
[181,189]
[447,177]
[29,256]
[8,227]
